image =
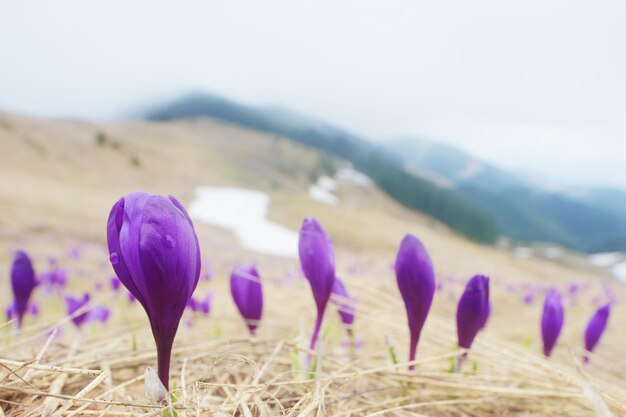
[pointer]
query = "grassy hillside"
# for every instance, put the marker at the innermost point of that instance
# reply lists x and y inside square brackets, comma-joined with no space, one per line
[474,198]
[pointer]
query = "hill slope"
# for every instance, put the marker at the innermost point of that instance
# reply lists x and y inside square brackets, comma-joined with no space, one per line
[382,167]
[474,198]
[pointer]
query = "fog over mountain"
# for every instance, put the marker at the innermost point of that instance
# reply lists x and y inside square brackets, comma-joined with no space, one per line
[533,86]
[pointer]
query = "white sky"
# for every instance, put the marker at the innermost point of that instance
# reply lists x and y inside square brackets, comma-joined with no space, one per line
[539,86]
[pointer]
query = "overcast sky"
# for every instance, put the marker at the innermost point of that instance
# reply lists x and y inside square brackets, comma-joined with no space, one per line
[539,86]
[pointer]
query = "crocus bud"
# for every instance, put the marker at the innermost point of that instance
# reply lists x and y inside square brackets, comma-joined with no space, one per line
[595,328]
[416,282]
[247,292]
[473,310]
[317,259]
[344,303]
[155,253]
[551,320]
[74,304]
[22,282]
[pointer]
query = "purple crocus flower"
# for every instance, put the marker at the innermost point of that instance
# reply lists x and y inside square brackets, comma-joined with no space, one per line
[22,282]
[155,253]
[98,313]
[317,259]
[247,292]
[33,309]
[473,310]
[115,284]
[204,305]
[192,304]
[73,304]
[344,303]
[53,280]
[416,281]
[551,320]
[595,328]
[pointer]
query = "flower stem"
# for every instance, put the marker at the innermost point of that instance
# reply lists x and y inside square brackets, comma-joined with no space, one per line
[164,354]
[459,362]
[314,336]
[413,349]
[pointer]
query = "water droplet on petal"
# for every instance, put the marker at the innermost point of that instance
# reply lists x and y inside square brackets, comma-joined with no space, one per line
[169,241]
[114,258]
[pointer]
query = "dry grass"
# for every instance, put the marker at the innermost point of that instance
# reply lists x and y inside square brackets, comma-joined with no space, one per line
[59,190]
[234,375]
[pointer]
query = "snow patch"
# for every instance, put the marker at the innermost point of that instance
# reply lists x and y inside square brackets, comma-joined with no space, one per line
[348,174]
[244,212]
[322,191]
[619,271]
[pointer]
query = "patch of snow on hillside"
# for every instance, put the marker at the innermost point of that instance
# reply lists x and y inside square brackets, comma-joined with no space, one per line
[244,212]
[605,259]
[349,174]
[322,191]
[619,271]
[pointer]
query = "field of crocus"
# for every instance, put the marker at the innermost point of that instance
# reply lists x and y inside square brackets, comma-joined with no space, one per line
[118,303]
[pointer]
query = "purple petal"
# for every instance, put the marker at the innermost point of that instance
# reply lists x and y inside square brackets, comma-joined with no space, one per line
[247,292]
[596,326]
[473,310]
[551,320]
[22,282]
[416,281]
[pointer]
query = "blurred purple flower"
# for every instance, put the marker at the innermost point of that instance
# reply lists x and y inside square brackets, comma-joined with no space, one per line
[75,252]
[345,304]
[131,297]
[115,284]
[595,328]
[317,259]
[551,320]
[98,313]
[247,292]
[33,309]
[207,275]
[54,279]
[529,297]
[204,305]
[192,304]
[416,281]
[155,253]
[74,304]
[201,306]
[473,310]
[22,283]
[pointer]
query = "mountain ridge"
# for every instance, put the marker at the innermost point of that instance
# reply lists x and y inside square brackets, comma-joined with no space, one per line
[474,198]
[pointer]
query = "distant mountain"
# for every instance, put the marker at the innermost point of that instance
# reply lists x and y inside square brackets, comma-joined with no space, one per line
[379,164]
[477,199]
[450,166]
[610,199]
[590,220]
